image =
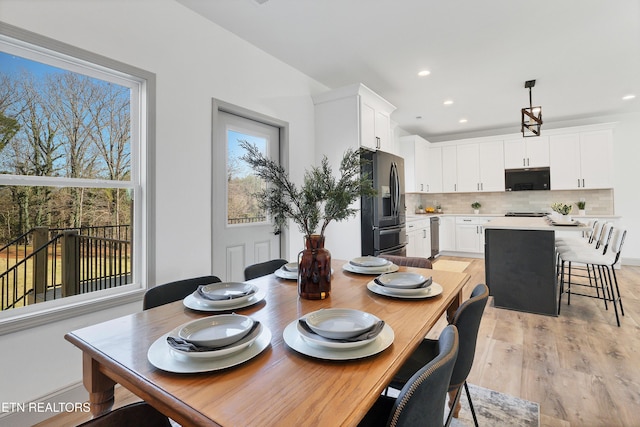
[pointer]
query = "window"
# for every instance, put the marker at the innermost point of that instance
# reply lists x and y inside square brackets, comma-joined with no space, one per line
[74,148]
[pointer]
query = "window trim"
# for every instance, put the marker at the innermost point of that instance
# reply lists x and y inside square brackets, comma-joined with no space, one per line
[144,222]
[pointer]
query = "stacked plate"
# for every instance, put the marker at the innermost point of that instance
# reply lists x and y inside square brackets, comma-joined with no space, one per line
[405,285]
[370,265]
[288,271]
[338,334]
[209,344]
[224,296]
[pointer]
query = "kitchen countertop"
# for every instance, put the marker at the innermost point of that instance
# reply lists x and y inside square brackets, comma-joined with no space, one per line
[528,223]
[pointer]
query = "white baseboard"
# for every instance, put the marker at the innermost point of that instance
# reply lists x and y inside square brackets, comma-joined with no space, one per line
[44,407]
[630,261]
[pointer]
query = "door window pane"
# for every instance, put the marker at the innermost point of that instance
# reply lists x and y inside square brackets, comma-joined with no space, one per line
[242,207]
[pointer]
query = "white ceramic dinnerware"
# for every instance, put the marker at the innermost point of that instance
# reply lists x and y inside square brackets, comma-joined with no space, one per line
[389,268]
[295,340]
[433,290]
[216,331]
[224,293]
[162,356]
[403,280]
[291,267]
[195,302]
[237,346]
[286,274]
[340,323]
[320,341]
[369,261]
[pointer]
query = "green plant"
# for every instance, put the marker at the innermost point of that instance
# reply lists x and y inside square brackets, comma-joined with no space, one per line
[562,208]
[476,205]
[581,204]
[322,198]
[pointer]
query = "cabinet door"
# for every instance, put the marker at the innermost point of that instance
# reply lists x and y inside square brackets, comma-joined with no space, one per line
[537,151]
[468,168]
[426,242]
[515,154]
[467,239]
[413,238]
[491,160]
[434,170]
[421,153]
[447,233]
[382,129]
[564,159]
[596,159]
[368,126]
[449,170]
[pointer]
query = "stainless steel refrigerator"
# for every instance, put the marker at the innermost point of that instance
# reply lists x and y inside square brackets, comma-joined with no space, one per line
[383,216]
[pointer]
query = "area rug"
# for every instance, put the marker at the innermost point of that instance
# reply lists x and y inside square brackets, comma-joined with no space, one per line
[496,409]
[447,265]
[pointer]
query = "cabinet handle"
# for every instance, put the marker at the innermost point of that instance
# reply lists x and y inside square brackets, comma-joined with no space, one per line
[424,234]
[428,187]
[377,142]
[582,182]
[527,161]
[478,186]
[524,162]
[455,187]
[482,186]
[578,182]
[421,187]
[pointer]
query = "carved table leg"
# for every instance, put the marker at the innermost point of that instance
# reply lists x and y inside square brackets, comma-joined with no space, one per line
[99,386]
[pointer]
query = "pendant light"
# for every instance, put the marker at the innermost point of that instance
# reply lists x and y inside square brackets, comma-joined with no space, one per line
[531,116]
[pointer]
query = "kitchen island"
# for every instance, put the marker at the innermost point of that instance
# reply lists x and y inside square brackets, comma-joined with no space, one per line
[520,263]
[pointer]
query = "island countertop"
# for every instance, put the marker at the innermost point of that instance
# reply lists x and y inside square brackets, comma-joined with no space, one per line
[528,223]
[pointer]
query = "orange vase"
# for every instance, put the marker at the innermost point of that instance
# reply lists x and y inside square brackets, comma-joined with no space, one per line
[314,269]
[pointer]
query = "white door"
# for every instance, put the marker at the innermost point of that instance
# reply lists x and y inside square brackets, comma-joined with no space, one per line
[242,234]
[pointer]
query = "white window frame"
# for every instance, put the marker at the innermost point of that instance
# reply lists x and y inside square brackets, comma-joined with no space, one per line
[142,109]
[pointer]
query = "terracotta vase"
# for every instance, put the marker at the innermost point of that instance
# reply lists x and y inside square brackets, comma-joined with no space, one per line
[314,269]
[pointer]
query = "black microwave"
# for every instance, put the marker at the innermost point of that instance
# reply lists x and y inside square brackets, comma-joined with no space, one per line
[527,179]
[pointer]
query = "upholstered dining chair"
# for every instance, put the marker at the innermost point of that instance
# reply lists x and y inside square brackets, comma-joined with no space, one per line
[467,319]
[263,268]
[174,291]
[408,261]
[421,400]
[139,414]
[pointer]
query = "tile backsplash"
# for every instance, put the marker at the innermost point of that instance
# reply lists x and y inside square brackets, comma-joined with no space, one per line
[598,202]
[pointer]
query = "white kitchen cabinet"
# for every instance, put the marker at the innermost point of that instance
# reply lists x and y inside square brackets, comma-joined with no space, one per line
[480,167]
[581,160]
[414,150]
[353,116]
[434,170]
[531,152]
[470,234]
[419,238]
[447,233]
[449,169]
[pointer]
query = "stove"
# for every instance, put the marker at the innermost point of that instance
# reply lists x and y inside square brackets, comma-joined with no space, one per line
[526,214]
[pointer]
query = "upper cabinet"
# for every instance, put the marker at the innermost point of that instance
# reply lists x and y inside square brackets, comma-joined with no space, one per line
[532,152]
[353,116]
[422,165]
[480,167]
[449,169]
[434,170]
[581,160]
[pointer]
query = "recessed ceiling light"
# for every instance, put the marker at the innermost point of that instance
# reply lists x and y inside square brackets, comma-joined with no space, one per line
[628,97]
[419,117]
[448,102]
[462,121]
[424,73]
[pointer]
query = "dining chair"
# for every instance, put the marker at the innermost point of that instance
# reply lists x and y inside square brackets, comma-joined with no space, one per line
[408,261]
[139,414]
[421,401]
[263,268]
[467,319]
[174,291]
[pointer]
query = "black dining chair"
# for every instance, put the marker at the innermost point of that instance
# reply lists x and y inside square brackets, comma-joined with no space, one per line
[263,268]
[174,291]
[421,401]
[467,319]
[139,414]
[409,261]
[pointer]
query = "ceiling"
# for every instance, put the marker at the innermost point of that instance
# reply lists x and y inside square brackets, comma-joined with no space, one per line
[584,54]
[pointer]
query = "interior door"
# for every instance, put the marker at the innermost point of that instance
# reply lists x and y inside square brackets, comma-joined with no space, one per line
[242,234]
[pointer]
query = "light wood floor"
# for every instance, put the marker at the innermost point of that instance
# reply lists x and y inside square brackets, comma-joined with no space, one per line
[580,367]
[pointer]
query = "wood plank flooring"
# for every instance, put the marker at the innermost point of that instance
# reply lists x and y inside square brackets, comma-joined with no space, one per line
[581,368]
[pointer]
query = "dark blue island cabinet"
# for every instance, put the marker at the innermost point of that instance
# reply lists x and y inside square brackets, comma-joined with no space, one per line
[520,266]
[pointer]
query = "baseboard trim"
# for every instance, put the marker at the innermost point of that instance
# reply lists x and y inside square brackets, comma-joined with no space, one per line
[71,395]
[630,261]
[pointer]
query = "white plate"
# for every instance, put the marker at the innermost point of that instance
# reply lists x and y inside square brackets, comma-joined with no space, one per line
[340,323]
[162,357]
[370,270]
[223,289]
[193,303]
[369,261]
[234,348]
[402,280]
[216,331]
[284,274]
[291,267]
[320,341]
[434,290]
[298,343]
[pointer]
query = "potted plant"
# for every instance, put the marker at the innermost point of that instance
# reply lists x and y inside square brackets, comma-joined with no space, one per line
[320,199]
[563,209]
[476,207]
[581,205]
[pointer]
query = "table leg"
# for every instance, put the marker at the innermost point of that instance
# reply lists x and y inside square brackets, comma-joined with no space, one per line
[99,386]
[453,307]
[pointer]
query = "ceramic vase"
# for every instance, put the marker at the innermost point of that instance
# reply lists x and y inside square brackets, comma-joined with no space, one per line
[314,269]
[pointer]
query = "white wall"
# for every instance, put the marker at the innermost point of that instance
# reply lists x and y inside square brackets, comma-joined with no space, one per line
[194,61]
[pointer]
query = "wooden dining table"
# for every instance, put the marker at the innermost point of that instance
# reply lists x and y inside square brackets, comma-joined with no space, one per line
[279,386]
